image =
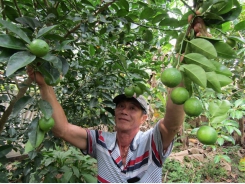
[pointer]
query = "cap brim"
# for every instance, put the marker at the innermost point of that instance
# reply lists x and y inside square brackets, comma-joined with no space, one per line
[121,97]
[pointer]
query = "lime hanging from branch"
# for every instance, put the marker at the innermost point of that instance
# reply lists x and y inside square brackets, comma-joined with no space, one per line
[171,77]
[179,95]
[129,91]
[193,107]
[207,135]
[38,47]
[46,124]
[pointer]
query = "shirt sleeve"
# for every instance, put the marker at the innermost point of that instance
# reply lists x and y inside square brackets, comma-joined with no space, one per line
[157,142]
[91,143]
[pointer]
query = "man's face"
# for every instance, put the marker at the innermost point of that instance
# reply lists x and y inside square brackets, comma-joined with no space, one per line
[129,115]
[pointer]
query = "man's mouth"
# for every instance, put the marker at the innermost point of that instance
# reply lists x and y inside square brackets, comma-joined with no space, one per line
[123,119]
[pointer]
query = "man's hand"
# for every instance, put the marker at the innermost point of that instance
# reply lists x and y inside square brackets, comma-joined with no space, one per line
[35,76]
[198,26]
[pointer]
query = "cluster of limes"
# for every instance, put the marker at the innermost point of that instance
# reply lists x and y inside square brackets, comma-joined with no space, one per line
[134,90]
[172,77]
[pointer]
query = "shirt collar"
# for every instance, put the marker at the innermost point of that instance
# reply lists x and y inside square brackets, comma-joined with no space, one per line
[111,143]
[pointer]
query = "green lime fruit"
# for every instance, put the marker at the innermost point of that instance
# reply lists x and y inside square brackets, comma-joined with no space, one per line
[39,47]
[138,90]
[207,135]
[193,107]
[129,91]
[171,77]
[179,95]
[46,124]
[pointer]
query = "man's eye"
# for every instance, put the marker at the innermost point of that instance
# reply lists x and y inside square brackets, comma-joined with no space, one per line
[132,108]
[120,106]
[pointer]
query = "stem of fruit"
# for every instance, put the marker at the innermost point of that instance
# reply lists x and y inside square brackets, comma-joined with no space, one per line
[184,38]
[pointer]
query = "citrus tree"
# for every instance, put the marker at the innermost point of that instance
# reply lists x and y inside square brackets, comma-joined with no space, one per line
[89,51]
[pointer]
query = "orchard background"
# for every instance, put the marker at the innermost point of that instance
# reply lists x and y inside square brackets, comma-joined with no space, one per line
[101,47]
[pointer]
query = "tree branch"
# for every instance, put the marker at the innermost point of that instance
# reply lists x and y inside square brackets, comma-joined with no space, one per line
[17,7]
[20,94]
[96,13]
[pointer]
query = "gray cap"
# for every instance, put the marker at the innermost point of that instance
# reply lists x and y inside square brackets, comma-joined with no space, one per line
[140,99]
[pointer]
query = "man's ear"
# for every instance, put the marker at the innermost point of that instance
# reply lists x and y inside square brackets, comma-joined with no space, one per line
[144,118]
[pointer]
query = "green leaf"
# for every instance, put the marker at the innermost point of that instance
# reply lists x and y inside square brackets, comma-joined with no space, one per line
[67,176]
[226,157]
[45,108]
[20,104]
[221,69]
[219,108]
[218,119]
[29,21]
[122,13]
[147,36]
[75,171]
[158,18]
[11,42]
[213,82]
[91,50]
[237,131]
[54,61]
[213,16]
[196,74]
[10,12]
[124,4]
[93,102]
[228,138]
[233,14]
[47,69]
[65,65]
[172,22]
[220,141]
[204,47]
[19,60]
[45,30]
[225,51]
[223,80]
[28,147]
[239,102]
[240,26]
[123,61]
[12,27]
[238,39]
[198,59]
[89,178]
[147,13]
[5,54]
[35,135]
[5,149]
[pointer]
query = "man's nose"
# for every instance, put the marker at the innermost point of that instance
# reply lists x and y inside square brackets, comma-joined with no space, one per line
[124,110]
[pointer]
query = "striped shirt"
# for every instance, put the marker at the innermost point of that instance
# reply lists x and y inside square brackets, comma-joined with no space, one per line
[143,163]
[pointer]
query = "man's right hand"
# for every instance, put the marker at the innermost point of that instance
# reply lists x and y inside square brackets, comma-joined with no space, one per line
[35,76]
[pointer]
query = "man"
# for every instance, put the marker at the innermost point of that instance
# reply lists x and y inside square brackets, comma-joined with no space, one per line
[127,155]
